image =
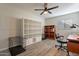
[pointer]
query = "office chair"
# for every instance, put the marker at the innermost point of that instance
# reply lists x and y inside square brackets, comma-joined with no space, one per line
[60,42]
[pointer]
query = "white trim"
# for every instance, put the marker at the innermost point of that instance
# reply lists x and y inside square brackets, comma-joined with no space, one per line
[3,49]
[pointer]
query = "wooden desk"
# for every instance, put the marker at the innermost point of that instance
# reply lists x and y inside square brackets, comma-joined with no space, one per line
[73,43]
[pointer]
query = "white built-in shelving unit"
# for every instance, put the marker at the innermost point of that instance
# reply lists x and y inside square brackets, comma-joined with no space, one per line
[31,31]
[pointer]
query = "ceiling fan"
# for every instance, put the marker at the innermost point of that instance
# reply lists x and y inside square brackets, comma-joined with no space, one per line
[46,9]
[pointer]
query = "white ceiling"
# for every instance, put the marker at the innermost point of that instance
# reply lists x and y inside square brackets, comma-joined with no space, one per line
[64,8]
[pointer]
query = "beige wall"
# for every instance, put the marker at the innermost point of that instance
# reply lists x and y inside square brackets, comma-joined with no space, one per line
[73,17]
[3,29]
[8,27]
[9,24]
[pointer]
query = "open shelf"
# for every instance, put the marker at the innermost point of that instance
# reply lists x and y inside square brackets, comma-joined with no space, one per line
[31,29]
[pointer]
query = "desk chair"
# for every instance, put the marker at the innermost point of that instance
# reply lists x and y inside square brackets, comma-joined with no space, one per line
[60,42]
[60,39]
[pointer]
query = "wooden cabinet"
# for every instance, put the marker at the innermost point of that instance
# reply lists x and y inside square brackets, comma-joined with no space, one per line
[73,43]
[49,31]
[73,46]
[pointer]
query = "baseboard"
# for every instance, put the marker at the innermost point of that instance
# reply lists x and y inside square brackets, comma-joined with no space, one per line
[3,49]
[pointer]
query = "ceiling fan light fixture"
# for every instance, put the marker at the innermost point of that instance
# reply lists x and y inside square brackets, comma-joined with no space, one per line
[45,12]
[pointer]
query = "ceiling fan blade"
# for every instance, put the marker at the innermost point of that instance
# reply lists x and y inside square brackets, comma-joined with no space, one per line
[42,13]
[38,9]
[52,8]
[49,12]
